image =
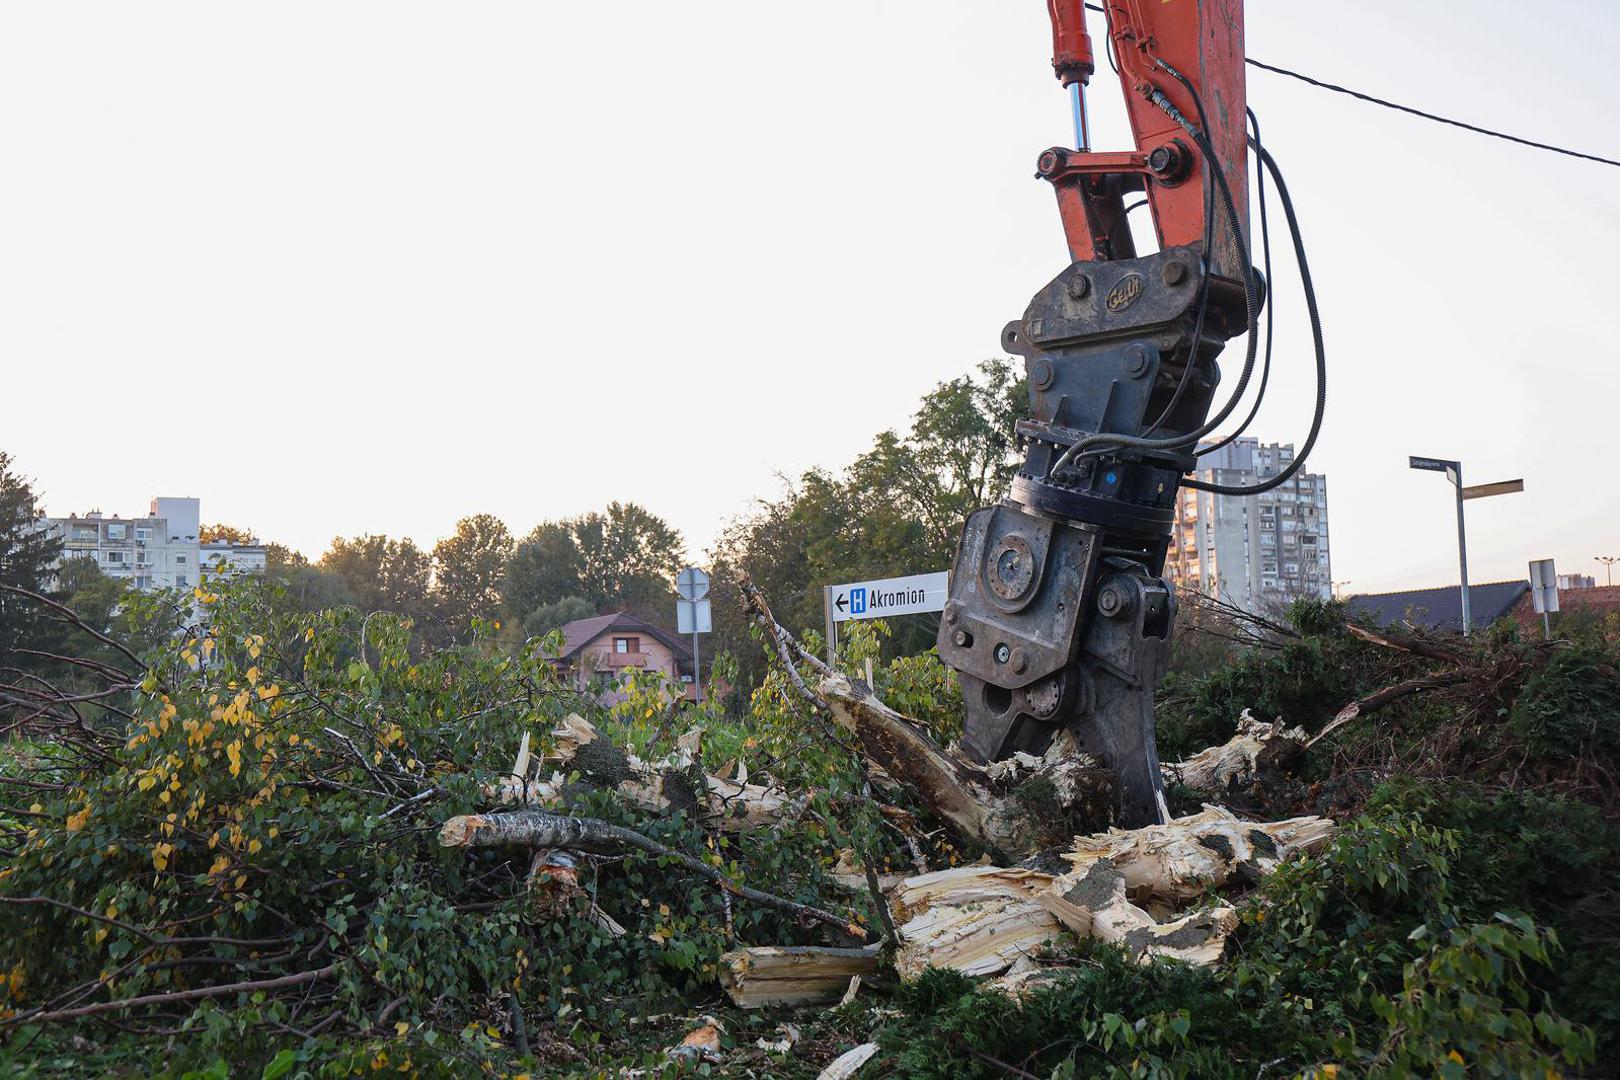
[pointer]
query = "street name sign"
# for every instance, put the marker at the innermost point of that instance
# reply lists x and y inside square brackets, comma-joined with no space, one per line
[1499,487]
[888,596]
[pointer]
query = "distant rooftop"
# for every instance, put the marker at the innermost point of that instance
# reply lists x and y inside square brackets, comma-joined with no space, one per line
[1440,609]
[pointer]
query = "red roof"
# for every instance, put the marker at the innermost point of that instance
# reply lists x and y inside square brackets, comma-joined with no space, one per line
[581,632]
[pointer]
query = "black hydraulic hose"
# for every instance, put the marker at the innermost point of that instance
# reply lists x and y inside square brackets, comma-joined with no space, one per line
[1109,441]
[1316,341]
[1271,308]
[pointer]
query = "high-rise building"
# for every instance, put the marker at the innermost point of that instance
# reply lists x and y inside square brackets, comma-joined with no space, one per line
[158,551]
[1256,551]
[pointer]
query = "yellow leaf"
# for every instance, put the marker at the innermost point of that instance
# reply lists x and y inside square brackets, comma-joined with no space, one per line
[1454,1056]
[663,909]
[160,856]
[253,676]
[402,1027]
[1330,1071]
[101,935]
[234,752]
[253,652]
[76,822]
[254,846]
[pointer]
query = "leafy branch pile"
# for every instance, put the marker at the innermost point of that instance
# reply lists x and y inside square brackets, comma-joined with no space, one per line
[221,857]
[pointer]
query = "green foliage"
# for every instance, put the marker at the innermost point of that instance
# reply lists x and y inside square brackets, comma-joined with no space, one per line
[1571,706]
[897,509]
[469,569]
[271,805]
[381,574]
[622,559]
[26,555]
[1357,960]
[1303,681]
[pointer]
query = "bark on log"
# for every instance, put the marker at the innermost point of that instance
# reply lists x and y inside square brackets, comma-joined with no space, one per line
[658,787]
[1257,747]
[1189,856]
[974,801]
[540,829]
[792,975]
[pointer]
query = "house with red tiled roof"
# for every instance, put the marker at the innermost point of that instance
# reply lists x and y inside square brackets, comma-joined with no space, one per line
[1598,600]
[598,653]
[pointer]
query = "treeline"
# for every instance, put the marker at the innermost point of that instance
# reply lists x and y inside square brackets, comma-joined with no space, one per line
[897,509]
[623,558]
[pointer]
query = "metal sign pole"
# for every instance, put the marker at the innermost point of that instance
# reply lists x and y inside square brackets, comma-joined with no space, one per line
[697,664]
[832,627]
[1462,551]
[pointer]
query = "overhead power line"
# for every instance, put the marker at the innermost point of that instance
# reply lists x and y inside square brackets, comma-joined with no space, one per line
[1476,129]
[1409,110]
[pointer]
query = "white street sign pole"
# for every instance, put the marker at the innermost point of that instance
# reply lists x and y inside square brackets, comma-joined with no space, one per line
[693,586]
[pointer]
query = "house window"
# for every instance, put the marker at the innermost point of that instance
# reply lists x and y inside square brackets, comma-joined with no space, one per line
[143,535]
[115,558]
[115,532]
[180,581]
[626,645]
[180,560]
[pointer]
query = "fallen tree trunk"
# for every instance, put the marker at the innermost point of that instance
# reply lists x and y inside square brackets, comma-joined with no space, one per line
[1258,747]
[984,806]
[792,975]
[541,829]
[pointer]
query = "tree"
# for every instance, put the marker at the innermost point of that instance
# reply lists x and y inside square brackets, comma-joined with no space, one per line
[27,554]
[383,574]
[279,559]
[469,569]
[623,558]
[230,534]
[897,509]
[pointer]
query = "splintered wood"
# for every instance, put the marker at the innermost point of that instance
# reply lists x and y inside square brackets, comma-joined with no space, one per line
[1189,856]
[674,783]
[792,975]
[989,920]
[1256,748]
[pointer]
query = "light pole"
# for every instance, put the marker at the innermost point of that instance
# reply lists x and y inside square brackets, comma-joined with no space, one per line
[1608,562]
[1454,473]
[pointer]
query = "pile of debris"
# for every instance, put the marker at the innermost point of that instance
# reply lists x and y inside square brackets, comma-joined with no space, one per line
[1012,919]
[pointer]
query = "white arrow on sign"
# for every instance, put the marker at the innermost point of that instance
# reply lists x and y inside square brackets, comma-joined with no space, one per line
[889,596]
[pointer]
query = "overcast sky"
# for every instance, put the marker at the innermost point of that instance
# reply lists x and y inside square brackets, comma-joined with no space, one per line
[348,267]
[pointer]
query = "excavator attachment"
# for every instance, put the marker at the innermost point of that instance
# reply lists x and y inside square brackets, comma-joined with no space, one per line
[1057,616]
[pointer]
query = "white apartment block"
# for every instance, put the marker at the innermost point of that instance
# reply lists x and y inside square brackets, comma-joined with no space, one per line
[1255,551]
[158,551]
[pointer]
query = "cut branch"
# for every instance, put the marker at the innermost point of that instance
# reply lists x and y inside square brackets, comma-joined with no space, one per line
[539,829]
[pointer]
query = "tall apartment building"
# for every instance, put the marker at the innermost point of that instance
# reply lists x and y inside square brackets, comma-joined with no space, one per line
[1255,551]
[158,551]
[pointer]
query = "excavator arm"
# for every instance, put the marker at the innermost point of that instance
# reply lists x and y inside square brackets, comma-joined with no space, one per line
[1058,617]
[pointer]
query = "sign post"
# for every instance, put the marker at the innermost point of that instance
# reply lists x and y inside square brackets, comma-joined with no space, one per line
[1453,471]
[693,616]
[1544,592]
[882,598]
